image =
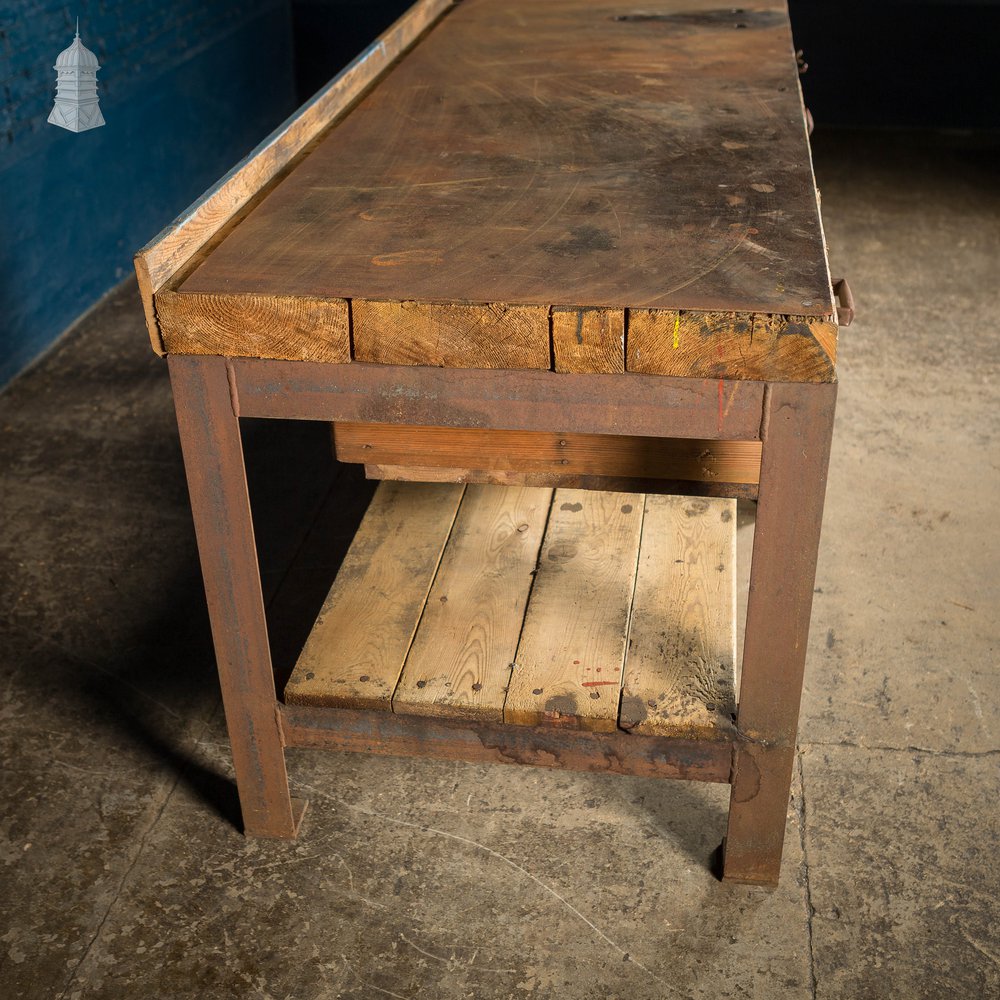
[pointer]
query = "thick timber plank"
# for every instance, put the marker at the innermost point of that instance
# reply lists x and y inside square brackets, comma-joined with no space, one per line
[648,155]
[588,340]
[356,650]
[253,326]
[568,669]
[694,459]
[451,336]
[732,345]
[461,656]
[680,667]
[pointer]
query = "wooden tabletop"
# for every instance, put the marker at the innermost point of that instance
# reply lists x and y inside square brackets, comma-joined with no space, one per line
[589,186]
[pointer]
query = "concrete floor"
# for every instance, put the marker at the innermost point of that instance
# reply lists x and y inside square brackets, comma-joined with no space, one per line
[124,875]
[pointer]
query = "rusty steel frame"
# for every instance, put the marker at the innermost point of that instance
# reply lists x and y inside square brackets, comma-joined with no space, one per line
[794,423]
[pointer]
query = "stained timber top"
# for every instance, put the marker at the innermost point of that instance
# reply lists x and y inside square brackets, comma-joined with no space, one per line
[624,155]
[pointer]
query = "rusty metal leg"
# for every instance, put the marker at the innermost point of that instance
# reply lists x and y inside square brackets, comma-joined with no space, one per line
[796,431]
[213,459]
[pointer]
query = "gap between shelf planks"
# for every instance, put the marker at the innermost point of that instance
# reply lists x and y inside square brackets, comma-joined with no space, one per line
[530,606]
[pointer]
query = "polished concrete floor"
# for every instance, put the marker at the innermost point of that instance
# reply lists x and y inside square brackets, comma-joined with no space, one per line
[122,869]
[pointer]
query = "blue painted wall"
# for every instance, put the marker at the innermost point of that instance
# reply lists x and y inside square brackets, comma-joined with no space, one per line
[187,88]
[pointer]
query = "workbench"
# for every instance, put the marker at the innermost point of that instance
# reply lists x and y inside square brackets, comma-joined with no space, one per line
[555,272]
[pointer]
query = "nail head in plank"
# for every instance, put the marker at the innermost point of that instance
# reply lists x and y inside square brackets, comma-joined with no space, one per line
[459,663]
[680,667]
[355,652]
[568,669]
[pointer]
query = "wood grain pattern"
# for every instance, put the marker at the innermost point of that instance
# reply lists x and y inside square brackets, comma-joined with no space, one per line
[169,252]
[500,451]
[588,340]
[680,670]
[355,652]
[451,336]
[461,657]
[249,326]
[568,669]
[725,345]
[558,153]
[612,484]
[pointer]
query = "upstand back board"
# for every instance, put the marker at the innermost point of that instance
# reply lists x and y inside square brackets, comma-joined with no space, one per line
[563,218]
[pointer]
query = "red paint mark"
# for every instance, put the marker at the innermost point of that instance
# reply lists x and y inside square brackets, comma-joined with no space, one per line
[722,402]
[593,684]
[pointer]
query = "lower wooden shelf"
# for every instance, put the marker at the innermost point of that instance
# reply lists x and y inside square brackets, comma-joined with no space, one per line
[526,606]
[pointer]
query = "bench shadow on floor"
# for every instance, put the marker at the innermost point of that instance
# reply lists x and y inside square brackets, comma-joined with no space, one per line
[107,602]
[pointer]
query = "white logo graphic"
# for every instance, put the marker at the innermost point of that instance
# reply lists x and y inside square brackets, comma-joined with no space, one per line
[76,106]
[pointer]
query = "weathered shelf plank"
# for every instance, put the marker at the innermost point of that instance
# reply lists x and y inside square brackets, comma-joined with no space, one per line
[568,669]
[512,606]
[356,650]
[461,657]
[680,669]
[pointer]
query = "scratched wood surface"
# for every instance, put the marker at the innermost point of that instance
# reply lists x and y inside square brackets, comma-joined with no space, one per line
[682,643]
[565,155]
[460,660]
[533,607]
[568,669]
[171,251]
[356,650]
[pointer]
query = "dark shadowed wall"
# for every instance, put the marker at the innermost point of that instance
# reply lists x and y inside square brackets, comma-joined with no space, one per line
[328,34]
[927,64]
